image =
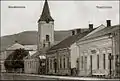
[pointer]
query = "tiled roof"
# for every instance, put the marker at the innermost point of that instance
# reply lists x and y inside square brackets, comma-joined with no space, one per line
[18,46]
[15,46]
[46,13]
[100,27]
[102,32]
[69,41]
[35,55]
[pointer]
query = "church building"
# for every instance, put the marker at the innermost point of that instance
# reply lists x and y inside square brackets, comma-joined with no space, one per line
[45,29]
[45,41]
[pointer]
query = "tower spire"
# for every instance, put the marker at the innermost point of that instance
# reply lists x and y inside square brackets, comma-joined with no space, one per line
[46,13]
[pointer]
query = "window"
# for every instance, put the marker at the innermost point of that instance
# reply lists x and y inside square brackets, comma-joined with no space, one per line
[43,45]
[73,32]
[104,61]
[78,31]
[30,64]
[64,62]
[55,65]
[47,37]
[117,60]
[68,62]
[60,63]
[50,63]
[85,60]
[49,44]
[81,61]
[91,62]
[98,61]
[93,51]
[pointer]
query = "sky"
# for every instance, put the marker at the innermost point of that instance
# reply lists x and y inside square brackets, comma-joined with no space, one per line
[67,14]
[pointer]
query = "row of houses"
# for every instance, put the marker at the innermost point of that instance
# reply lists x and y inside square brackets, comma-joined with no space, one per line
[93,52]
[87,52]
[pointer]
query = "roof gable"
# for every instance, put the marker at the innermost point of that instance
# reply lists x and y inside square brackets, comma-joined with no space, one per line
[102,32]
[15,46]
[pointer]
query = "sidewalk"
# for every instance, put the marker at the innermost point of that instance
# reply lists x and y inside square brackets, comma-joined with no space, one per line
[66,77]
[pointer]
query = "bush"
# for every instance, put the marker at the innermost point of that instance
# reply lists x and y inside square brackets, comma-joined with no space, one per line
[15,59]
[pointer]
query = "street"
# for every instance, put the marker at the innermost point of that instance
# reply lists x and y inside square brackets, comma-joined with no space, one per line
[5,76]
[16,76]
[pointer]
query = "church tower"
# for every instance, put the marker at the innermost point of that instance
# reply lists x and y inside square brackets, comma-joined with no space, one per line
[45,28]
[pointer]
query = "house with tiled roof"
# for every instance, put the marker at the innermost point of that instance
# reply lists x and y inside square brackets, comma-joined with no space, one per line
[62,57]
[99,52]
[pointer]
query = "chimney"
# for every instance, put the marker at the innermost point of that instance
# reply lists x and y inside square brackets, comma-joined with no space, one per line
[90,27]
[78,31]
[73,32]
[108,23]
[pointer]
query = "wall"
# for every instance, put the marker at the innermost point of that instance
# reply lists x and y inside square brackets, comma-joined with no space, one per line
[74,54]
[31,65]
[116,41]
[43,30]
[102,45]
[2,59]
[60,54]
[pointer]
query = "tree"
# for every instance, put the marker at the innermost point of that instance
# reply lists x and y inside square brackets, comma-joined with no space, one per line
[15,59]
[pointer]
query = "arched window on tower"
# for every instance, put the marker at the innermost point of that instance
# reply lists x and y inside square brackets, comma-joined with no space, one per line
[47,37]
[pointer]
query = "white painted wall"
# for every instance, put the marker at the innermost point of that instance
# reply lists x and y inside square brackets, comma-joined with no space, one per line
[43,30]
[102,46]
[31,65]
[74,54]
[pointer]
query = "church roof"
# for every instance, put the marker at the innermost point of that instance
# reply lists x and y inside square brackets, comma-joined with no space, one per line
[46,13]
[20,46]
[15,46]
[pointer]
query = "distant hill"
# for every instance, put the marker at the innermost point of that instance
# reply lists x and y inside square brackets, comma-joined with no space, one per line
[29,38]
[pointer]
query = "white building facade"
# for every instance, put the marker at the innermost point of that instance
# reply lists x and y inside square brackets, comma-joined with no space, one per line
[98,52]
